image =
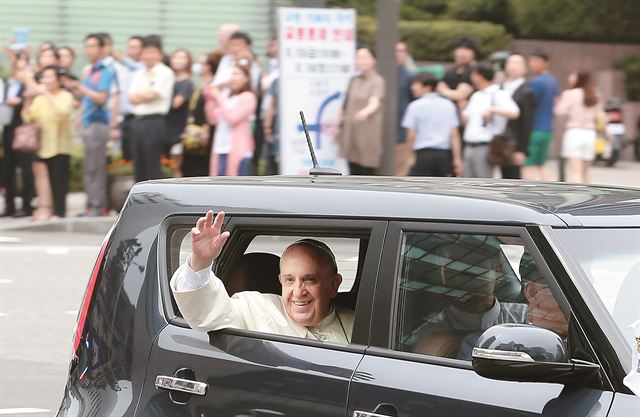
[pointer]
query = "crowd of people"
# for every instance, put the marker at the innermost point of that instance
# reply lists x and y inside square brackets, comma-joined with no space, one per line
[141,100]
[148,105]
[482,115]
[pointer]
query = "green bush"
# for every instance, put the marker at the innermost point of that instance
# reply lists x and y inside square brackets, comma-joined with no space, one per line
[579,20]
[631,67]
[432,40]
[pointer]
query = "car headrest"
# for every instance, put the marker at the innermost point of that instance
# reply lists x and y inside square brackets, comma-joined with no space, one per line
[469,262]
[257,271]
[528,270]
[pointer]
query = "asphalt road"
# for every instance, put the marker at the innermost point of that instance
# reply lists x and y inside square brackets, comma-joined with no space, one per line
[43,276]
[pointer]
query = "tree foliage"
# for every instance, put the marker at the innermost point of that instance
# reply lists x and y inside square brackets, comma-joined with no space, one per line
[579,20]
[630,65]
[433,40]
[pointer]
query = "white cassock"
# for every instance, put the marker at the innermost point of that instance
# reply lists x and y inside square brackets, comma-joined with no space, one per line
[206,306]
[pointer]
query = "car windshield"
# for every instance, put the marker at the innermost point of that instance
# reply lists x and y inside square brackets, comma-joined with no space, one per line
[611,260]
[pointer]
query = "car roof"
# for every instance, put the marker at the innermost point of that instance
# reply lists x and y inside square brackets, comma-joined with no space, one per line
[438,199]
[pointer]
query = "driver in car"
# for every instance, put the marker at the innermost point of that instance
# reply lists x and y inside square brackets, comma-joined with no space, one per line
[455,330]
[308,275]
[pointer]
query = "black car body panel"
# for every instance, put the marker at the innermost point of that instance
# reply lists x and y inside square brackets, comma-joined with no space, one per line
[129,339]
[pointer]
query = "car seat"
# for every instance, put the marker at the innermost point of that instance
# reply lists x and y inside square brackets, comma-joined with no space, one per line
[256,271]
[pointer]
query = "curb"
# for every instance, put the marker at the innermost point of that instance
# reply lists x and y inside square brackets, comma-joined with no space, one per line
[80,225]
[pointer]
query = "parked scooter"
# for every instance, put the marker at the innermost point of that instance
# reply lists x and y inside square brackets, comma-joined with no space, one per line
[611,136]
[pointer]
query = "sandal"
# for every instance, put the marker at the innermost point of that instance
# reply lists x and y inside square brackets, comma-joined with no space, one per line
[39,216]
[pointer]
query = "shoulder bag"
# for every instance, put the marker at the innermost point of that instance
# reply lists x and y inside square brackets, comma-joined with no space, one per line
[502,146]
[26,138]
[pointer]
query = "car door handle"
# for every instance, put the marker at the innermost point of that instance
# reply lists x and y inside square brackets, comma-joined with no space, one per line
[179,384]
[389,410]
[368,414]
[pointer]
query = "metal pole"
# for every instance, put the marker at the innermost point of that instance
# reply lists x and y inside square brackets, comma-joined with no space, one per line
[387,14]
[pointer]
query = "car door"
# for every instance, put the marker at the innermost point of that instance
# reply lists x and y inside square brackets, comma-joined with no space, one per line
[423,327]
[244,373]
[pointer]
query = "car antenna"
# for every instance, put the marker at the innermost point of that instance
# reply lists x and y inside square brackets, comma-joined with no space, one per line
[316,170]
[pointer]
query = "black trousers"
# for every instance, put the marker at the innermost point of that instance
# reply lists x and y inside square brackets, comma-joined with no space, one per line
[511,172]
[197,165]
[431,162]
[148,143]
[126,137]
[357,169]
[59,168]
[13,160]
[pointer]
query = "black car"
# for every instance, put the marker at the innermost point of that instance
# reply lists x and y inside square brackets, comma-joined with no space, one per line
[416,256]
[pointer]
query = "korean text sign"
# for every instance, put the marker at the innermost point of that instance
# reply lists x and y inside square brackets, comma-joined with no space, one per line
[317,53]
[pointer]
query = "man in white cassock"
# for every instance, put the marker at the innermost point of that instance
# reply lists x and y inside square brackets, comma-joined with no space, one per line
[308,275]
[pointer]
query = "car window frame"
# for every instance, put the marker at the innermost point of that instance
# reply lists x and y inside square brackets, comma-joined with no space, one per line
[360,337]
[387,291]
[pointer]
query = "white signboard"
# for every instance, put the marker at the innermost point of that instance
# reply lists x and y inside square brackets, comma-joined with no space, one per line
[317,53]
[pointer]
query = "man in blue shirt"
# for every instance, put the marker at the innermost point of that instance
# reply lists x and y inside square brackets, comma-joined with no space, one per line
[432,130]
[545,89]
[94,88]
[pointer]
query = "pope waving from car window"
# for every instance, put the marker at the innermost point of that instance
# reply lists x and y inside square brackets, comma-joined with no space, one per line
[308,275]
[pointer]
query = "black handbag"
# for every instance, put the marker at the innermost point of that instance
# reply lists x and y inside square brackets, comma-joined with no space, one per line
[501,149]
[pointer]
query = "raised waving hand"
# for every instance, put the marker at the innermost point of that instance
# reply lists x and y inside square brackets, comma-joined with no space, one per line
[206,240]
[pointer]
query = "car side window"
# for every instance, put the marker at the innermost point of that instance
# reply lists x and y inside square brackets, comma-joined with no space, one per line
[250,262]
[271,247]
[453,287]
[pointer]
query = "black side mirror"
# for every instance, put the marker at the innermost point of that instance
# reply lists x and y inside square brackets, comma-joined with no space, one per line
[525,353]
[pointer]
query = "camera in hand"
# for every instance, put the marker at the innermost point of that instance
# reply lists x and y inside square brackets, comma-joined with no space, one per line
[63,72]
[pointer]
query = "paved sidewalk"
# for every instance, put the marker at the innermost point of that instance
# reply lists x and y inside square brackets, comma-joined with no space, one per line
[625,173]
[76,203]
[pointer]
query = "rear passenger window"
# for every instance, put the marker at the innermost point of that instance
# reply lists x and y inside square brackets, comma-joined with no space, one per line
[453,287]
[346,251]
[250,260]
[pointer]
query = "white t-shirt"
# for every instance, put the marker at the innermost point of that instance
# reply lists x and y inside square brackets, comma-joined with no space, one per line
[222,138]
[160,79]
[477,131]
[225,68]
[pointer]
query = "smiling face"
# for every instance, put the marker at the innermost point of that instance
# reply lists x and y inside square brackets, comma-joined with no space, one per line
[308,285]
